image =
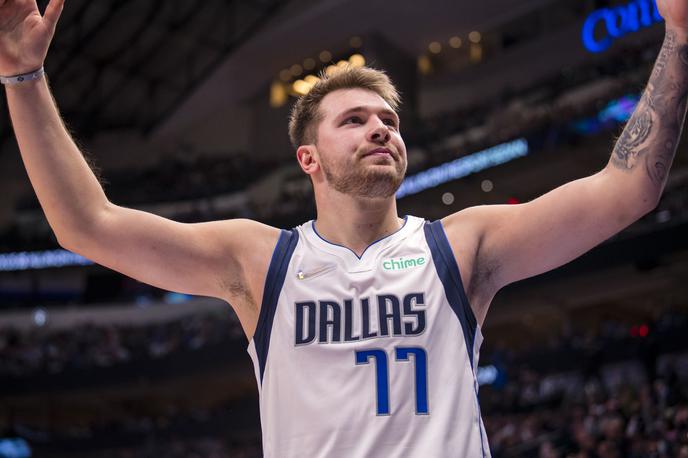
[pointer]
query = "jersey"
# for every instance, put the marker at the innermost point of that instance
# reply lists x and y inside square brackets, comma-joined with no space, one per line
[367,356]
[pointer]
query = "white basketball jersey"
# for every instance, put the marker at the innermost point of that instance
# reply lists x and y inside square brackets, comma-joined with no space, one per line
[367,357]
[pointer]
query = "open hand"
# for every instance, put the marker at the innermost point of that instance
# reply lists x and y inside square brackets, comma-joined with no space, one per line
[25,35]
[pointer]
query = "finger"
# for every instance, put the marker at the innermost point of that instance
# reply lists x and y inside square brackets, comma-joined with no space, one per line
[52,12]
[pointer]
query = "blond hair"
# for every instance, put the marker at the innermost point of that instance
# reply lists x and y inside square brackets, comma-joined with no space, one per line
[305,115]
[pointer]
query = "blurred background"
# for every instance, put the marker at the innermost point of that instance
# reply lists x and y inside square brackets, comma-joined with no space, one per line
[182,106]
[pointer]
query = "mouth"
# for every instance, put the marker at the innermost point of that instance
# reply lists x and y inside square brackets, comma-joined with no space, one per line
[380,152]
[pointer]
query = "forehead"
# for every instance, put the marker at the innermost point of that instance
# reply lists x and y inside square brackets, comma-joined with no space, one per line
[341,100]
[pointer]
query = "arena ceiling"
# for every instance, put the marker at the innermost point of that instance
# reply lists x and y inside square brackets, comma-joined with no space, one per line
[126,64]
[152,65]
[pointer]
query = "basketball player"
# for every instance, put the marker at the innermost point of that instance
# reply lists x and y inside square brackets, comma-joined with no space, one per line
[364,327]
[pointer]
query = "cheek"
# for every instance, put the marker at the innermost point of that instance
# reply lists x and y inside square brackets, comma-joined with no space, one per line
[397,138]
[401,147]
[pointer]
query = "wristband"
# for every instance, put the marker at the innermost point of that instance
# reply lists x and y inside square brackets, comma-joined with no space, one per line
[16,79]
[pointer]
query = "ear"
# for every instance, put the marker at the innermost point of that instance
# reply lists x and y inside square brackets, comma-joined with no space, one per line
[307,155]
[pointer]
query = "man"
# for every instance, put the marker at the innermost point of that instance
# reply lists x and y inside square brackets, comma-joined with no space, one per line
[364,328]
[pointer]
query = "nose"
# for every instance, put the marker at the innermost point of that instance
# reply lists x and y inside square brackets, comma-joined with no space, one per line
[379,133]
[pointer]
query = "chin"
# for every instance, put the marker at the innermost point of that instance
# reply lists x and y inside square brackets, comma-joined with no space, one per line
[379,181]
[382,186]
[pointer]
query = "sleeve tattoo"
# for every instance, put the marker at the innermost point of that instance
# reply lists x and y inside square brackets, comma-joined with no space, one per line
[651,136]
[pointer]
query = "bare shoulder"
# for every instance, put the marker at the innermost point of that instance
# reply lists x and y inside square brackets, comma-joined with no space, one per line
[254,245]
[465,231]
[247,248]
[238,241]
[249,245]
[246,237]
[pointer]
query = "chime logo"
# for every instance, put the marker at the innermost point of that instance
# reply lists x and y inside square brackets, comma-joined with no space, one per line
[402,263]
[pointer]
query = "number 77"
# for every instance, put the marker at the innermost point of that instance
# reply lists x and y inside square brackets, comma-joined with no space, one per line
[382,375]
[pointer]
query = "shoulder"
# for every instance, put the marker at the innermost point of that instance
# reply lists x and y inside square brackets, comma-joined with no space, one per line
[256,234]
[247,247]
[243,235]
[251,244]
[235,242]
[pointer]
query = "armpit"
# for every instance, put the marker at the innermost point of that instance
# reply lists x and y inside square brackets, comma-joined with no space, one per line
[239,292]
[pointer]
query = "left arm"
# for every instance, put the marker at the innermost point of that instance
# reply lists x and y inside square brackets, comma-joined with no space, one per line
[513,242]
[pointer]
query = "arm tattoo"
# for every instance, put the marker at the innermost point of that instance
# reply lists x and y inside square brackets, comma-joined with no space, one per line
[651,135]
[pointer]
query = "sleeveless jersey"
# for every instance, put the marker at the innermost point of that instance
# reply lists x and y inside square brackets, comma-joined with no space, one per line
[370,356]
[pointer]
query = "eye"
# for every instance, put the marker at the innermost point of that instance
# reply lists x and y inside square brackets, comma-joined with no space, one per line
[390,122]
[353,120]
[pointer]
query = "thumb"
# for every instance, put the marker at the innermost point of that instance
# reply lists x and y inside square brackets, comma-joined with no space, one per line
[52,12]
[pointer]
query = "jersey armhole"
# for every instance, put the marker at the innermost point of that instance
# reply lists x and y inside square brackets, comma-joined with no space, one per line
[450,276]
[274,281]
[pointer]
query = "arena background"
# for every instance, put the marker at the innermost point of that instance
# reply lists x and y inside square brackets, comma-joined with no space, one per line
[182,105]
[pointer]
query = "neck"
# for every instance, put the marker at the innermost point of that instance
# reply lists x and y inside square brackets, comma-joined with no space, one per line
[356,222]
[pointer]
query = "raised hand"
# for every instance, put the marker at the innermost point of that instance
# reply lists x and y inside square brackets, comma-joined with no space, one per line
[675,13]
[25,35]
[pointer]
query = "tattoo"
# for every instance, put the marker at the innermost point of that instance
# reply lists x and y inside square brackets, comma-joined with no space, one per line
[634,135]
[652,134]
[665,53]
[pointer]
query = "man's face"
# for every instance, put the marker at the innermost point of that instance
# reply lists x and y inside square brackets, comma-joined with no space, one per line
[361,150]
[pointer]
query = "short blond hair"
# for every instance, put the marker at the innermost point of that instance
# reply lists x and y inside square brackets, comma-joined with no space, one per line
[305,115]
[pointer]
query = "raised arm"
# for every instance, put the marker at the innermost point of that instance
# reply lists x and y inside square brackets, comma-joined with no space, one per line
[223,259]
[515,242]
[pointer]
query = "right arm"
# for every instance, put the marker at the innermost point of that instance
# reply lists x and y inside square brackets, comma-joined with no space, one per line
[220,259]
[189,258]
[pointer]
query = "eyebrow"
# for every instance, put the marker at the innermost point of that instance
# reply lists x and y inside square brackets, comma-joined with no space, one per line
[361,108]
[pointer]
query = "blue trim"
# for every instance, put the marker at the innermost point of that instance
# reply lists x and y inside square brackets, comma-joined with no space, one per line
[449,274]
[273,286]
[364,251]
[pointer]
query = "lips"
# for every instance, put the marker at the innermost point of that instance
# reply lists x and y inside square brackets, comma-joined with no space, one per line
[380,152]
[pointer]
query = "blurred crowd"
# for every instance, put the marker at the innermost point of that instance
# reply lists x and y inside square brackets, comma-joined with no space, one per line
[544,111]
[619,392]
[228,429]
[199,448]
[184,175]
[594,420]
[90,346]
[203,447]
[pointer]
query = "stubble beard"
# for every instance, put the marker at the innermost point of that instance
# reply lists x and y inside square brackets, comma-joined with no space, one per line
[356,180]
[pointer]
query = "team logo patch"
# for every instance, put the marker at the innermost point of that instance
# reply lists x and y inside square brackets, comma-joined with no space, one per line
[402,263]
